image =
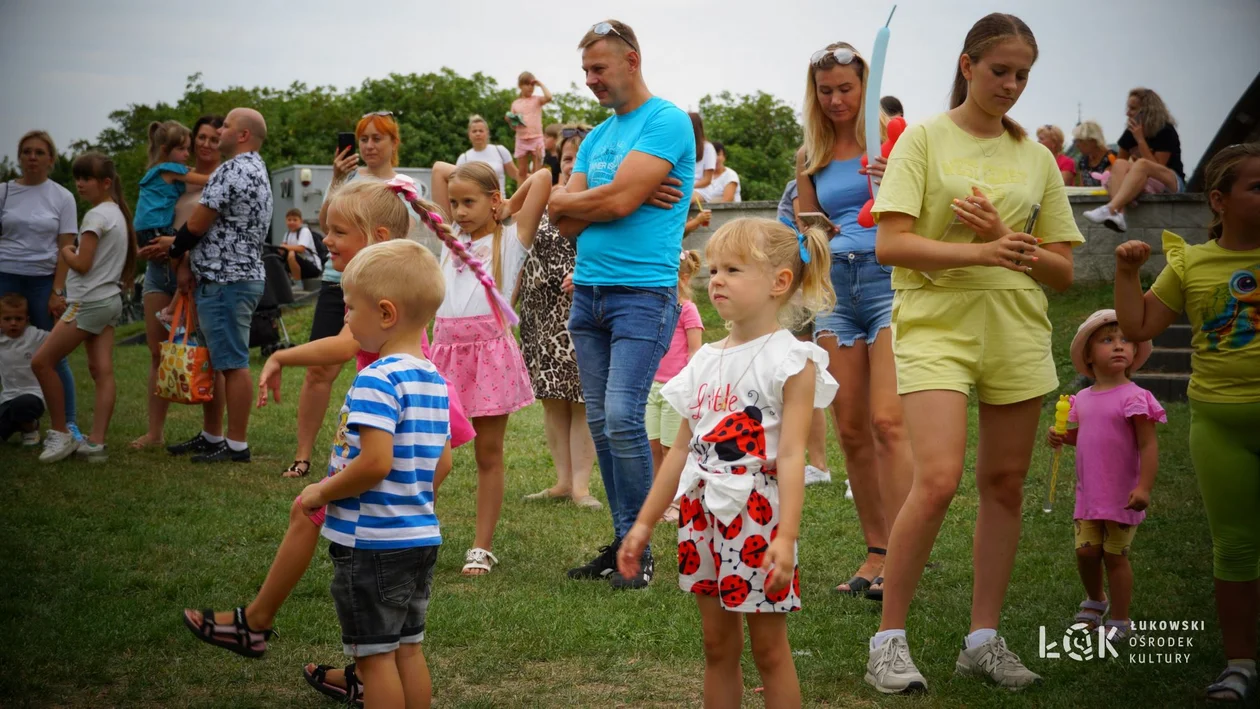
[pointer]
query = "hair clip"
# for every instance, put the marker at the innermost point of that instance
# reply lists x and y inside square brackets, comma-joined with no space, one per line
[682,256]
[402,186]
[800,238]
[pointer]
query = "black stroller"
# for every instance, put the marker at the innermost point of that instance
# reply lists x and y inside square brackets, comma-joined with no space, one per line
[266,329]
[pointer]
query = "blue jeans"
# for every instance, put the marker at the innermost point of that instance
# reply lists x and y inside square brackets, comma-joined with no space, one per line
[223,314]
[619,335]
[37,290]
[864,298]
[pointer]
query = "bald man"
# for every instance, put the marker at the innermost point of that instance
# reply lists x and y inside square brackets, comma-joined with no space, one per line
[224,272]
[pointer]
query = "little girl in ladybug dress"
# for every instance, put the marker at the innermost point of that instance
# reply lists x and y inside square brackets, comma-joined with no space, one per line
[737,469]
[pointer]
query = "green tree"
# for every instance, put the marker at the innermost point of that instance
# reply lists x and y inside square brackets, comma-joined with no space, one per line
[575,106]
[761,135]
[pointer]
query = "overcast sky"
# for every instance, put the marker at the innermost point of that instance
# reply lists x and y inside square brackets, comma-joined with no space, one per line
[68,64]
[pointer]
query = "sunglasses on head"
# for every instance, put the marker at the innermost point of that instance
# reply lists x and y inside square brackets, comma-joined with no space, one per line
[841,55]
[385,114]
[567,133]
[603,29]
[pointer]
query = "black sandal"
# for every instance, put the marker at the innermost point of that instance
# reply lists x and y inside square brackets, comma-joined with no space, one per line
[301,467]
[242,639]
[859,585]
[876,594]
[351,695]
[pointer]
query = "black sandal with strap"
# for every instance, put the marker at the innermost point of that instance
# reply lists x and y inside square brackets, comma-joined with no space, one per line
[876,594]
[237,637]
[859,585]
[351,695]
[301,467]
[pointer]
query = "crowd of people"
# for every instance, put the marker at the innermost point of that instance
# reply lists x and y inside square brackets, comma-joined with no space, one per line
[889,327]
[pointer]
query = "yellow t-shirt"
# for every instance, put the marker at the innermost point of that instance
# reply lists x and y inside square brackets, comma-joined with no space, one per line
[1218,291]
[936,162]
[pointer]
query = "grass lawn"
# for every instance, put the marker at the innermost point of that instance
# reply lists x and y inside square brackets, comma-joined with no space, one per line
[99,560]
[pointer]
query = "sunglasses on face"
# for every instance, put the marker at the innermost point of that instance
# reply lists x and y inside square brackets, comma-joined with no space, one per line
[567,133]
[841,55]
[603,29]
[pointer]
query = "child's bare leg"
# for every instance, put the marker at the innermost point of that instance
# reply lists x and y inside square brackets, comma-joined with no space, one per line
[100,355]
[382,686]
[723,646]
[414,672]
[658,455]
[64,339]
[295,270]
[489,449]
[773,657]
[1089,565]
[292,558]
[1120,583]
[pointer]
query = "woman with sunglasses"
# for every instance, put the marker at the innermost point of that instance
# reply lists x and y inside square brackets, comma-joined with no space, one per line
[867,413]
[378,139]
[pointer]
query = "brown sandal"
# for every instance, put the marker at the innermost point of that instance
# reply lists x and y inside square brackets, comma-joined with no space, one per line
[301,467]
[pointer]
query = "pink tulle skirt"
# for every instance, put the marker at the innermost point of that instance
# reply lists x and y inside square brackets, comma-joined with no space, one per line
[461,428]
[480,359]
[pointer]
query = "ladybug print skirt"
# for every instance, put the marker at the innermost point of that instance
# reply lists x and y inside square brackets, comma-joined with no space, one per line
[724,561]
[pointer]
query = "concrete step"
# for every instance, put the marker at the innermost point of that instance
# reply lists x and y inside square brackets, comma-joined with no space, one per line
[1169,359]
[1177,336]
[1166,386]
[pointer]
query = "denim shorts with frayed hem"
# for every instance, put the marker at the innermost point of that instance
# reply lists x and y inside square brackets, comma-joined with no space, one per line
[382,596]
[864,299]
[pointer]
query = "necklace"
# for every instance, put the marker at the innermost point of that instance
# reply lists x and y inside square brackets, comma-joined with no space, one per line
[722,356]
[987,154]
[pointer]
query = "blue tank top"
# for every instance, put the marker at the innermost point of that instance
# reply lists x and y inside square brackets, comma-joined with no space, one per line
[841,192]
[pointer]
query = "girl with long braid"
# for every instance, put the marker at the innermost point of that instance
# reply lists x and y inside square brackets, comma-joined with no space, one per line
[473,345]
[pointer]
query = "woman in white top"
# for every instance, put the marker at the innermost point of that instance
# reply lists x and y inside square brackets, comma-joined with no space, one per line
[725,184]
[38,218]
[496,156]
[706,155]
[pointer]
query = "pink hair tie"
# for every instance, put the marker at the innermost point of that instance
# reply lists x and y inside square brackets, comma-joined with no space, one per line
[401,185]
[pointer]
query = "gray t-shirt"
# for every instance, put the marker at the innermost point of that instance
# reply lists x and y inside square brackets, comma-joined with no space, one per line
[32,218]
[101,281]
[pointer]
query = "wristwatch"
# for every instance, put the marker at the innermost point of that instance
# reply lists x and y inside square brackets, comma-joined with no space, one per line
[61,293]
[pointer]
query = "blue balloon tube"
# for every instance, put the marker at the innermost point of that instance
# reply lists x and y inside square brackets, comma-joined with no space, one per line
[873,83]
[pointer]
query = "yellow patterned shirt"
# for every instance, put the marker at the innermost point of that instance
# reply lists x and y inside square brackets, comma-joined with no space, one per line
[1218,291]
[935,162]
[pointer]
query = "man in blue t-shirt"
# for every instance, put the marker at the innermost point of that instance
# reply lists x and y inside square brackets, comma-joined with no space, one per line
[627,204]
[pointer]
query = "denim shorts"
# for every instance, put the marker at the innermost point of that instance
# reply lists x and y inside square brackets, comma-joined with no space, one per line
[223,314]
[159,277]
[864,299]
[382,596]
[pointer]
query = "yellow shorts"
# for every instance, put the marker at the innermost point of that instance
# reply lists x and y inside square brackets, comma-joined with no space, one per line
[1114,537]
[997,341]
[662,419]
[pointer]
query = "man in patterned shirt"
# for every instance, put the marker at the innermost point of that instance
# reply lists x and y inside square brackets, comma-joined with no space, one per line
[225,235]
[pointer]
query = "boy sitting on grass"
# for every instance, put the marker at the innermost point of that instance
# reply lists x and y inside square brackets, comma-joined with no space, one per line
[21,400]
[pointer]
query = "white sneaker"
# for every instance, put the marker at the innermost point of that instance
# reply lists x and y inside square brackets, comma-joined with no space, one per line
[995,662]
[1115,222]
[815,475]
[1099,214]
[848,490]
[891,671]
[92,452]
[30,439]
[57,445]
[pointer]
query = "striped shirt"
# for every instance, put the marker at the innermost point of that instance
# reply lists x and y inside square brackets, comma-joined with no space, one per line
[407,397]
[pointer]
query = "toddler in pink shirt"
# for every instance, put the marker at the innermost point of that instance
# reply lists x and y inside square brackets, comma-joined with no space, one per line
[1116,460]
[526,118]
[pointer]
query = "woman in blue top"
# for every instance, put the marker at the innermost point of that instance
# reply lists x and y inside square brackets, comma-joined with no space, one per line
[867,411]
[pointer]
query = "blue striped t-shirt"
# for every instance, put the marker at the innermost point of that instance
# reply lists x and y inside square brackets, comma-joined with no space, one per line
[407,397]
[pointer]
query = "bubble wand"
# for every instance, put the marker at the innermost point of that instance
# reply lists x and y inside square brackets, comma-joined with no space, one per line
[873,83]
[1061,410]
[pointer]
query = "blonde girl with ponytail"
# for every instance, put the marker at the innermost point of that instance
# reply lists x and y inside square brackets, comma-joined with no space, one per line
[473,344]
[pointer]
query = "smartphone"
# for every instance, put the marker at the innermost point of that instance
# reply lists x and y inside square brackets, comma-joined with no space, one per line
[345,140]
[1032,219]
[818,219]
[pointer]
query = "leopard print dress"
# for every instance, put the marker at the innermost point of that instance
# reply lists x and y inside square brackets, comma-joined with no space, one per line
[544,312]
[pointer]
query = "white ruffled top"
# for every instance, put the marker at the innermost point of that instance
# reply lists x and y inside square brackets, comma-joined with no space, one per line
[733,400]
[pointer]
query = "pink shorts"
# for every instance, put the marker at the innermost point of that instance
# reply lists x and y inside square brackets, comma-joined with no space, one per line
[480,358]
[528,146]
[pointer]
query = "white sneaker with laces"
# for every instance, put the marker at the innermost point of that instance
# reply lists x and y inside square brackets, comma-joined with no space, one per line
[57,445]
[815,475]
[1098,215]
[891,671]
[92,452]
[994,661]
[848,490]
[30,439]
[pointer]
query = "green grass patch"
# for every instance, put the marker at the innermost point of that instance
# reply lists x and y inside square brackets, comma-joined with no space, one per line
[99,560]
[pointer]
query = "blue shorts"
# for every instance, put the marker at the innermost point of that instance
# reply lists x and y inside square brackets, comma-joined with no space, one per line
[223,314]
[864,298]
[159,277]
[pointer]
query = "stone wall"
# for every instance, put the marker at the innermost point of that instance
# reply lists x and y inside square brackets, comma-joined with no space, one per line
[1185,214]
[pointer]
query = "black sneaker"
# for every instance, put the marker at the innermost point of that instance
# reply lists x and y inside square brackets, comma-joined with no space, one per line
[601,567]
[196,444]
[221,453]
[644,577]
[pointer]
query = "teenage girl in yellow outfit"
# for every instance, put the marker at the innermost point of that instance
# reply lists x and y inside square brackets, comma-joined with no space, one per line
[969,311]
